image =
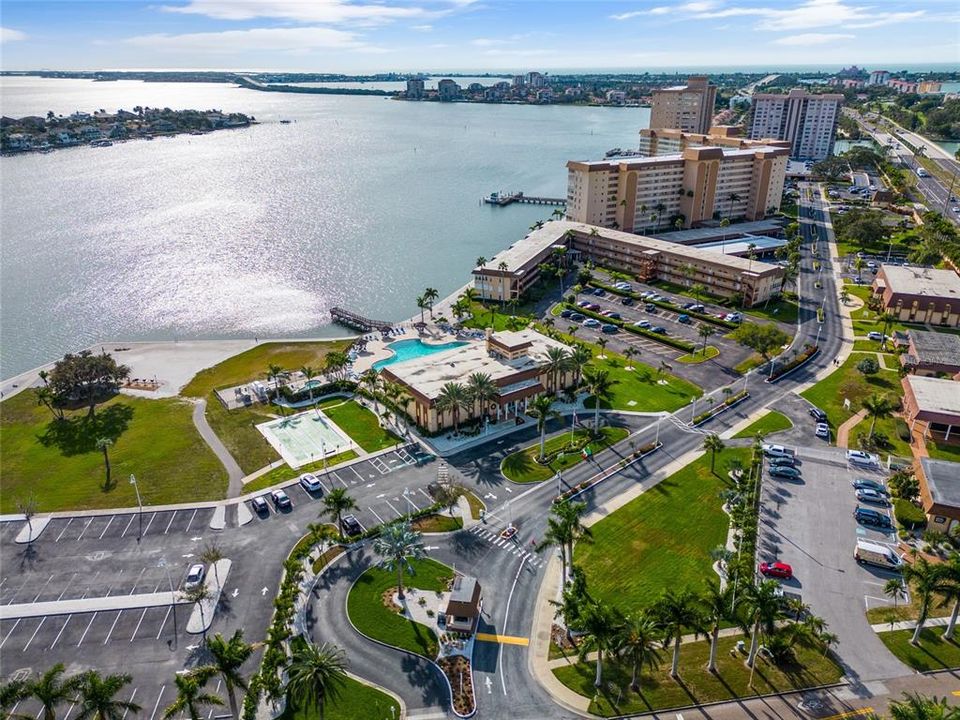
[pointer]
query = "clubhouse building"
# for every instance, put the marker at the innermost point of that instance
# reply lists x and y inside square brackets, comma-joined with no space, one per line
[920,295]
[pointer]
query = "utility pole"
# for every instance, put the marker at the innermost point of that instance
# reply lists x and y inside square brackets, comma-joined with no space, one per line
[133,481]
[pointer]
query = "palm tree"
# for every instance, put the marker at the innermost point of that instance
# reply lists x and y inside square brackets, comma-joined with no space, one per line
[481,390]
[895,589]
[598,384]
[705,331]
[659,207]
[713,444]
[926,579]
[431,295]
[732,197]
[858,265]
[580,356]
[275,372]
[542,409]
[697,289]
[600,626]
[452,397]
[557,534]
[481,261]
[316,674]
[103,445]
[309,372]
[212,554]
[887,318]
[724,224]
[918,707]
[629,353]
[97,697]
[335,503]
[950,589]
[877,407]
[717,606]
[12,693]
[52,690]
[397,544]
[678,223]
[197,595]
[558,362]
[422,304]
[570,514]
[640,635]
[678,613]
[602,342]
[190,697]
[227,657]
[761,605]
[751,255]
[370,379]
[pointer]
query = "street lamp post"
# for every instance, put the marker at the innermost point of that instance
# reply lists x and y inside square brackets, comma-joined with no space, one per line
[136,487]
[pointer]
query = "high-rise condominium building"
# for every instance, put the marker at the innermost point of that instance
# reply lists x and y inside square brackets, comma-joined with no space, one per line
[655,142]
[685,107]
[808,121]
[650,194]
[415,89]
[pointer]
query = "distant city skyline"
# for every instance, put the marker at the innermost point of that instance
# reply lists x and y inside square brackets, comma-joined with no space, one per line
[475,35]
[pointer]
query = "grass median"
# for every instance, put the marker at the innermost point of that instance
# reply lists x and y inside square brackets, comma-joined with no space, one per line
[770,423]
[933,652]
[522,466]
[368,609]
[361,425]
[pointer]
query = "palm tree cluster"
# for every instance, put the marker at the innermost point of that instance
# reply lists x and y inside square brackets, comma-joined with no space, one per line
[475,397]
[929,582]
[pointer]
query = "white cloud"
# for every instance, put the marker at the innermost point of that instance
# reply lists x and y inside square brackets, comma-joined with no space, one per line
[690,7]
[812,38]
[255,39]
[486,42]
[815,14]
[11,35]
[422,28]
[317,11]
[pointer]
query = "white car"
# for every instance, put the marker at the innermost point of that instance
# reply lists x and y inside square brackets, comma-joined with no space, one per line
[776,451]
[822,431]
[623,286]
[642,324]
[310,483]
[859,457]
[195,576]
[591,322]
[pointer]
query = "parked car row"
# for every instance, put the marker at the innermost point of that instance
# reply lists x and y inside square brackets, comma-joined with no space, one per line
[281,502]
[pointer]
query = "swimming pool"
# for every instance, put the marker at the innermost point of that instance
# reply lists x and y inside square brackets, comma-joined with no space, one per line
[404,350]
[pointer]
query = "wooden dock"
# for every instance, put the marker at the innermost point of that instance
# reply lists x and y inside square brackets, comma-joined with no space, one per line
[357,322]
[501,199]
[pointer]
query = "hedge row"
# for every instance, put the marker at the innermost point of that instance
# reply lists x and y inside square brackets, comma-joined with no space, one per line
[713,320]
[663,339]
[808,352]
[726,404]
[589,483]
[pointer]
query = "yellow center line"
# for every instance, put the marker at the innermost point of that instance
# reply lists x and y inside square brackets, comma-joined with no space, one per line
[503,639]
[956,693]
[850,714]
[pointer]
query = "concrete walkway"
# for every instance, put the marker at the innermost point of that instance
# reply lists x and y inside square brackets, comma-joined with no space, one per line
[910,624]
[843,432]
[234,472]
[88,605]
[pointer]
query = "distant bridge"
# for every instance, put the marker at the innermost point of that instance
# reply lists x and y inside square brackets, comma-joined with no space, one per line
[357,322]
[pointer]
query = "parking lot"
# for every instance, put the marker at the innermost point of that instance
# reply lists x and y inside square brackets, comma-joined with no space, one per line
[808,523]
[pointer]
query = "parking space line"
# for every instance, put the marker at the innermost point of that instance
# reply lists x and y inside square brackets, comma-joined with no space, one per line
[134,588]
[129,523]
[109,523]
[157,705]
[70,709]
[142,615]
[187,528]
[426,495]
[42,621]
[80,536]
[160,631]
[399,514]
[67,586]
[376,515]
[64,530]
[359,476]
[107,638]
[215,691]
[172,516]
[57,639]
[147,528]
[4,642]
[339,478]
[37,597]
[87,630]
[132,696]
[18,591]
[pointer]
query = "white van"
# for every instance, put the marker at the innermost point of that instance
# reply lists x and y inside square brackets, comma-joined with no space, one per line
[871,553]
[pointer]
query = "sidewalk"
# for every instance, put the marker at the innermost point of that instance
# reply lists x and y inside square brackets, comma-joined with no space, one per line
[843,432]
[910,624]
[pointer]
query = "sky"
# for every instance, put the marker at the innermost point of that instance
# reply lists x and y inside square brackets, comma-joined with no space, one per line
[365,36]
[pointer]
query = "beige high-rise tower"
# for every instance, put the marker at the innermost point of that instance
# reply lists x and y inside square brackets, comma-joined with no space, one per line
[685,107]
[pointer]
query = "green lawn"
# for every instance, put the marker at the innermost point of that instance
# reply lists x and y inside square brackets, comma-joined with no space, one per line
[237,431]
[699,355]
[437,523]
[366,608]
[783,310]
[875,346]
[361,425]
[476,505]
[252,364]
[285,472]
[640,389]
[59,465]
[749,364]
[499,318]
[933,653]
[661,539]
[659,691]
[522,466]
[847,382]
[943,451]
[770,423]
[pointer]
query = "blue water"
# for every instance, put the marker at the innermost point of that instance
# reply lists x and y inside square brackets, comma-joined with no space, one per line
[404,350]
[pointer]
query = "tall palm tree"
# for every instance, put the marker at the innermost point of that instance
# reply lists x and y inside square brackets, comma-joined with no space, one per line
[309,372]
[602,342]
[371,378]
[580,357]
[629,353]
[751,255]
[197,595]
[452,398]
[558,362]
[481,261]
[659,207]
[895,589]
[600,625]
[52,690]
[557,534]
[482,390]
[335,503]
[315,675]
[638,641]
[12,693]
[275,372]
[858,265]
[717,606]
[732,198]
[599,383]
[542,409]
[227,658]
[190,697]
[713,444]
[397,544]
[950,589]
[925,579]
[103,445]
[678,612]
[431,295]
[705,331]
[422,304]
[571,514]
[887,318]
[97,701]
[762,608]
[877,407]
[212,554]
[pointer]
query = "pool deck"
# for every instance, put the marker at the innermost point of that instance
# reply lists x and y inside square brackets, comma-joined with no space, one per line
[376,348]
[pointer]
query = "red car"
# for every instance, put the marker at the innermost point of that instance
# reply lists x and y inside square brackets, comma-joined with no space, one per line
[777,570]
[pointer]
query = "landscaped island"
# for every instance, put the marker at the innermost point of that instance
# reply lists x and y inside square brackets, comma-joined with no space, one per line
[102,128]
